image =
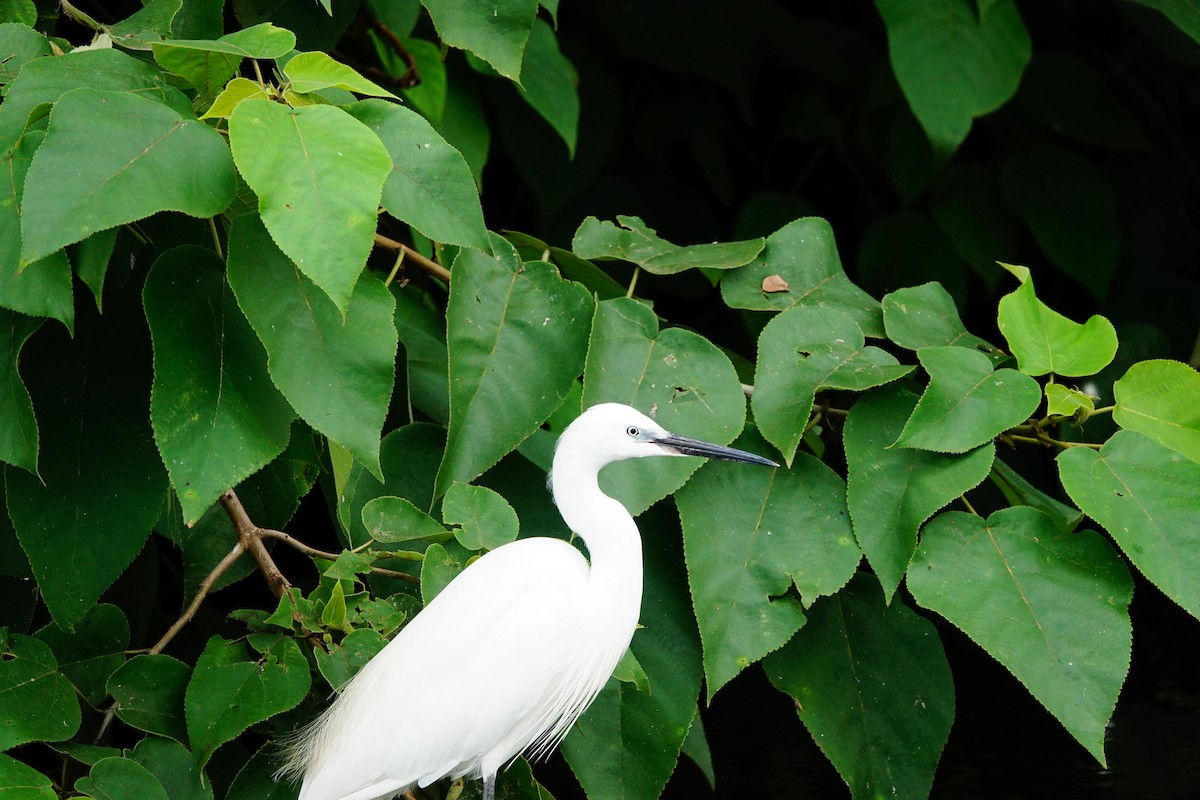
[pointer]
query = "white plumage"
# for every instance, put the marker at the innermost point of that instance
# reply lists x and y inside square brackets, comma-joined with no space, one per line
[512,651]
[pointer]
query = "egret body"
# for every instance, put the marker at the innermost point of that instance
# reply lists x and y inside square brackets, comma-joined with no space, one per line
[505,659]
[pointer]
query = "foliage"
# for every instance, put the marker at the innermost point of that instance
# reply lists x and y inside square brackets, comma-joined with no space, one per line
[245,269]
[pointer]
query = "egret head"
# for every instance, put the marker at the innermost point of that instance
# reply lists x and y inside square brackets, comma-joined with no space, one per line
[611,432]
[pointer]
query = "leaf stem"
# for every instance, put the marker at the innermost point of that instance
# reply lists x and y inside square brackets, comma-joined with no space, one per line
[967,503]
[1047,441]
[432,267]
[212,226]
[1103,410]
[633,281]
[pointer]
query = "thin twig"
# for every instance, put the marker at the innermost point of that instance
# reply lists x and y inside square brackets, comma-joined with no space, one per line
[633,281]
[212,224]
[313,552]
[1048,442]
[432,267]
[967,503]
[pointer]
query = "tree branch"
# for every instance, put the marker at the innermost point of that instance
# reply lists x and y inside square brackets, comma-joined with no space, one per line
[250,538]
[432,267]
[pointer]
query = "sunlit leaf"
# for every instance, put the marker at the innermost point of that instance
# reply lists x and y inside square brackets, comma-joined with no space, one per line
[1161,399]
[312,72]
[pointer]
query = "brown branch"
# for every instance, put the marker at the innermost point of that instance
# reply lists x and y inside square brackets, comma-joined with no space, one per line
[250,538]
[432,267]
[313,552]
[411,76]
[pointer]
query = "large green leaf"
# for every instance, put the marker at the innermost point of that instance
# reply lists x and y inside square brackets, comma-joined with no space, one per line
[1071,209]
[494,30]
[1145,496]
[677,377]
[873,686]
[128,158]
[802,351]
[91,652]
[966,403]
[217,417]
[627,743]
[629,239]
[231,689]
[18,425]
[318,173]
[1161,399]
[19,781]
[119,778]
[893,491]
[430,186]
[750,534]
[422,331]
[173,766]
[548,83]
[515,330]
[41,289]
[37,703]
[484,518]
[1051,607]
[22,44]
[925,316]
[1045,341]
[83,521]
[209,64]
[337,372]
[149,692]
[955,60]
[804,256]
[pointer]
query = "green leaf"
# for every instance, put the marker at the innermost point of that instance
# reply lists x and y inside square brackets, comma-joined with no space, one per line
[19,781]
[955,61]
[804,256]
[148,24]
[873,687]
[548,84]
[318,174]
[1051,607]
[750,534]
[229,692]
[679,378]
[627,743]
[1070,208]
[1181,13]
[1145,496]
[494,30]
[1161,399]
[336,371]
[395,519]
[629,239]
[925,316]
[83,521]
[91,652]
[209,64]
[312,72]
[128,158]
[23,12]
[343,660]
[966,403]
[440,566]
[1065,401]
[256,780]
[422,332]
[37,703]
[120,778]
[515,329]
[91,258]
[430,186]
[41,289]
[217,417]
[334,613]
[428,96]
[149,692]
[18,425]
[173,766]
[1045,341]
[235,92]
[1020,492]
[628,670]
[893,491]
[802,351]
[484,517]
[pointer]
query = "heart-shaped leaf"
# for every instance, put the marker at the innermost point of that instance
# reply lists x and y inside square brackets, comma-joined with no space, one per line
[484,517]
[925,316]
[231,690]
[1145,496]
[118,778]
[751,533]
[893,491]
[873,686]
[679,378]
[1045,341]
[966,403]
[1052,607]
[1161,399]
[802,351]
[804,256]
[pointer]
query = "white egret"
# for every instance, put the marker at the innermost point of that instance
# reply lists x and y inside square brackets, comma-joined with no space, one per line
[505,659]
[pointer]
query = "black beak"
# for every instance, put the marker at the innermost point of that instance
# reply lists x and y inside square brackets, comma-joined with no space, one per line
[694,447]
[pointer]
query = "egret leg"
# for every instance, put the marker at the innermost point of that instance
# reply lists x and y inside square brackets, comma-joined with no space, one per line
[489,787]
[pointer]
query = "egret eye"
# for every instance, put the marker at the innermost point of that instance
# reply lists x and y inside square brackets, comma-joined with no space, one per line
[633,431]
